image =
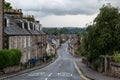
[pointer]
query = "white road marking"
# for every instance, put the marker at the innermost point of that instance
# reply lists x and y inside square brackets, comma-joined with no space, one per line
[46,78]
[67,50]
[50,74]
[36,74]
[64,74]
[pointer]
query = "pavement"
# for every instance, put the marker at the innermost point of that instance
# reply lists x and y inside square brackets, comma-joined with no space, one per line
[93,75]
[7,76]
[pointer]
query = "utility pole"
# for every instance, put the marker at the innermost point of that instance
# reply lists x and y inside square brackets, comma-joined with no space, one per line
[1,23]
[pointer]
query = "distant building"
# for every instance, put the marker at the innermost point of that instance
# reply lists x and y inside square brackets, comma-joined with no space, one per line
[25,34]
[73,43]
[52,44]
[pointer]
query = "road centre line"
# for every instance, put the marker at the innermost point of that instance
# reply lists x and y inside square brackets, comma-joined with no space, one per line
[50,74]
[46,78]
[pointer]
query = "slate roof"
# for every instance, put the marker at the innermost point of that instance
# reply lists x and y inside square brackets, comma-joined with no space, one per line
[14,29]
[41,32]
[52,37]
[49,40]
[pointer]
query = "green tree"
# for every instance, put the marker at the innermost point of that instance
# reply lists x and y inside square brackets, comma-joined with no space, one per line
[103,36]
[7,5]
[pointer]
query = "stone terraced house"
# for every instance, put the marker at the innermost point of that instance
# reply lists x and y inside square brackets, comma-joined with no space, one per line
[53,44]
[25,34]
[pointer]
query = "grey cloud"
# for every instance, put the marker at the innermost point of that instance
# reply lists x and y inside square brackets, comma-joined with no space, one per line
[62,7]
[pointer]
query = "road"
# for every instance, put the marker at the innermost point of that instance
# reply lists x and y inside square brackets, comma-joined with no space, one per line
[62,69]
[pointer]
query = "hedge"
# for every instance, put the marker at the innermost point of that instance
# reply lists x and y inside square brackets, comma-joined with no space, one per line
[117,56]
[9,58]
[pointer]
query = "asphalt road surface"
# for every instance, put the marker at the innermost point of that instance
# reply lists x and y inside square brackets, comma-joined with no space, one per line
[62,69]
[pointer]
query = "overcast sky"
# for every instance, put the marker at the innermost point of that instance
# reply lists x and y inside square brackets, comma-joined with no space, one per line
[59,13]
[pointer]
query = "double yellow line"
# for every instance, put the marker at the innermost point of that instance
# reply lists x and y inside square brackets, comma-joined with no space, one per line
[80,73]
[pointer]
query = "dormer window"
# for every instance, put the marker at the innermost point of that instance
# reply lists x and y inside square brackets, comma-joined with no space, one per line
[31,26]
[37,27]
[28,25]
[5,22]
[40,27]
[34,27]
[25,25]
[22,24]
[19,24]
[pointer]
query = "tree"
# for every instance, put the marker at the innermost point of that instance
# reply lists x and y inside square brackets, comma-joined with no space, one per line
[103,36]
[7,5]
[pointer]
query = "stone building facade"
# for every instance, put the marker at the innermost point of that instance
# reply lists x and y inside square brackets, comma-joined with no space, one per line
[25,34]
[1,24]
[53,44]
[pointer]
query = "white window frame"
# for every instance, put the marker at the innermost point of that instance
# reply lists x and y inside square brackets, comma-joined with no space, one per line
[15,45]
[29,41]
[25,42]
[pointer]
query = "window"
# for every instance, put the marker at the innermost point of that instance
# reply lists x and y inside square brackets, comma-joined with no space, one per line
[28,25]
[10,42]
[22,25]
[5,22]
[31,26]
[8,22]
[24,41]
[25,25]
[15,45]
[19,24]
[29,41]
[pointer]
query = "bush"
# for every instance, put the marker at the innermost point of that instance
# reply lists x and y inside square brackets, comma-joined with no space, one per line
[117,57]
[4,59]
[16,54]
[9,58]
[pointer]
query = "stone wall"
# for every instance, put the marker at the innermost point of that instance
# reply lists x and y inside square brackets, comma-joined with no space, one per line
[1,24]
[107,66]
[115,69]
[12,69]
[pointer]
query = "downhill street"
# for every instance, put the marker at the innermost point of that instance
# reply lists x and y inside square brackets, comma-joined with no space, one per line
[62,69]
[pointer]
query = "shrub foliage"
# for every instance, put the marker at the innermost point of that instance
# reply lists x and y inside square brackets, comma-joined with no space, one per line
[9,58]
